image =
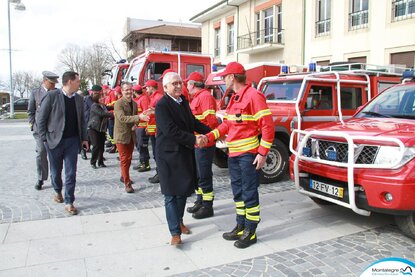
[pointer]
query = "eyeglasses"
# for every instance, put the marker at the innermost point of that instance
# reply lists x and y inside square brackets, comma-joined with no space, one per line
[177,83]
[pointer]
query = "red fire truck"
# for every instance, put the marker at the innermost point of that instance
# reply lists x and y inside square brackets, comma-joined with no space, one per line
[114,76]
[365,163]
[151,65]
[302,100]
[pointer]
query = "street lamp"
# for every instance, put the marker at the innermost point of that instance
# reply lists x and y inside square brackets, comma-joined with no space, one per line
[20,7]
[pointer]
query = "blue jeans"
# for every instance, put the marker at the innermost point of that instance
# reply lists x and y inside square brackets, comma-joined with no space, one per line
[245,182]
[204,160]
[174,206]
[66,152]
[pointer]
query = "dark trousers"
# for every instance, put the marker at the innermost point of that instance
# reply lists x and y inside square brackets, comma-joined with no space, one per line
[65,153]
[98,146]
[245,182]
[153,146]
[142,144]
[174,206]
[41,159]
[111,128]
[125,152]
[204,160]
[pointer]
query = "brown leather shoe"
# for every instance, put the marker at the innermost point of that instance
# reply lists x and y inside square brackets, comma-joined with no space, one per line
[58,198]
[184,229]
[129,188]
[176,240]
[70,208]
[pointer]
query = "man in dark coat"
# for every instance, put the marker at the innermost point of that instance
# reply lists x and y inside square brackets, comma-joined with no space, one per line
[175,152]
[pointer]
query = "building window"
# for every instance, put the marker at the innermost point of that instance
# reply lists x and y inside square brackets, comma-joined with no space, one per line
[279,23]
[217,42]
[231,38]
[323,17]
[268,25]
[405,59]
[403,9]
[358,17]
[258,28]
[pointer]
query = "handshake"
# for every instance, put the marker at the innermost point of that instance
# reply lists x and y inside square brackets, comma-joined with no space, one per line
[145,116]
[201,140]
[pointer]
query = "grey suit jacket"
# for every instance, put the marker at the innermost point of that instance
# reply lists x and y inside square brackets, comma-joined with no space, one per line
[51,118]
[36,97]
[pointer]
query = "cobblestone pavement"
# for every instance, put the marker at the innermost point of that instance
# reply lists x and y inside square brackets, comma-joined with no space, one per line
[100,191]
[97,191]
[345,256]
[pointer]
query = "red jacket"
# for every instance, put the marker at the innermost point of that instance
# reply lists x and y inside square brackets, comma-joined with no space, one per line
[111,99]
[246,117]
[143,102]
[203,107]
[151,125]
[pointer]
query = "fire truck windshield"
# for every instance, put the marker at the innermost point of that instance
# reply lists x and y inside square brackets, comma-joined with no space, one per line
[397,102]
[282,91]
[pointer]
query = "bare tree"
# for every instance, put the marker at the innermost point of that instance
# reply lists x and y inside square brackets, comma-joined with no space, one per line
[74,58]
[24,81]
[100,58]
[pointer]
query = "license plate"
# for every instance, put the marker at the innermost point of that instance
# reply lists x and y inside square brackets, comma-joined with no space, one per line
[326,188]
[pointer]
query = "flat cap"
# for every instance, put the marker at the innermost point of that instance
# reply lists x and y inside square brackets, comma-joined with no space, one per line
[50,76]
[96,88]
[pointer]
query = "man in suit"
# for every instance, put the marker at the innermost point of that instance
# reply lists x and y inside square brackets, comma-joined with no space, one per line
[49,81]
[175,156]
[125,117]
[62,127]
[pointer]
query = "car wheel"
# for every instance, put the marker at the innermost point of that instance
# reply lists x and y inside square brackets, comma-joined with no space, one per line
[276,165]
[407,224]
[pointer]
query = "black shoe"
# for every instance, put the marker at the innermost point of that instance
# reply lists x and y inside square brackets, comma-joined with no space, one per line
[247,239]
[138,166]
[103,158]
[235,234]
[144,167]
[203,212]
[94,166]
[102,165]
[83,155]
[195,207]
[155,179]
[39,185]
[108,144]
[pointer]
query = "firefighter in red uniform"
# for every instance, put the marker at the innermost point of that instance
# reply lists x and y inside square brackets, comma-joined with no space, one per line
[155,96]
[247,116]
[203,107]
[143,102]
[113,96]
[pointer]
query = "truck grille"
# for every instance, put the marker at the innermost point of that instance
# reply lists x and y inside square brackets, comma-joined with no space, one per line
[364,154]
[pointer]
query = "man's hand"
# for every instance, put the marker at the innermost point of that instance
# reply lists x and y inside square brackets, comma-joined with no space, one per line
[259,161]
[144,117]
[85,145]
[201,140]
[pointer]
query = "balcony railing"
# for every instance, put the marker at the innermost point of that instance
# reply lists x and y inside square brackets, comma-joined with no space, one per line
[323,27]
[266,36]
[358,20]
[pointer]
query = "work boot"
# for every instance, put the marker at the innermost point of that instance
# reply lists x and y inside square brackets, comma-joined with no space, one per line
[145,166]
[203,212]
[196,207]
[247,239]
[83,154]
[155,179]
[39,185]
[136,167]
[235,234]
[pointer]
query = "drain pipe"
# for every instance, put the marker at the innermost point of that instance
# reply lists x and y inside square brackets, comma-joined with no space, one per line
[237,28]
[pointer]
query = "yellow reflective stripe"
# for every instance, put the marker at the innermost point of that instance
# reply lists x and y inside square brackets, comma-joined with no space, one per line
[253,210]
[240,211]
[240,233]
[241,142]
[216,133]
[243,117]
[240,204]
[204,114]
[199,117]
[243,148]
[142,124]
[262,113]
[252,217]
[199,191]
[151,128]
[208,196]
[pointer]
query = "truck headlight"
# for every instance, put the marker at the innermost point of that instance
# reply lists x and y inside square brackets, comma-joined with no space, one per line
[391,155]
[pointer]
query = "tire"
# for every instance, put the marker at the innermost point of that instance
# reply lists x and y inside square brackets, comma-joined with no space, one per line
[407,224]
[276,166]
[220,159]
[320,202]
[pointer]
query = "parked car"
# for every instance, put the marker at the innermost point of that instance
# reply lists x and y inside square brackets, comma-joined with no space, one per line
[20,105]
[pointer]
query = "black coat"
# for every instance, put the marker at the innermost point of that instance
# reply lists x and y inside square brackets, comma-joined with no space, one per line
[175,142]
[98,117]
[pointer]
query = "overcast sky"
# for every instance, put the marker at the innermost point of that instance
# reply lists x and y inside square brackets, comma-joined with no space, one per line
[47,26]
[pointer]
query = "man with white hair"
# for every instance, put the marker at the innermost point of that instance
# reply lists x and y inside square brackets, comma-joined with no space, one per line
[175,152]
